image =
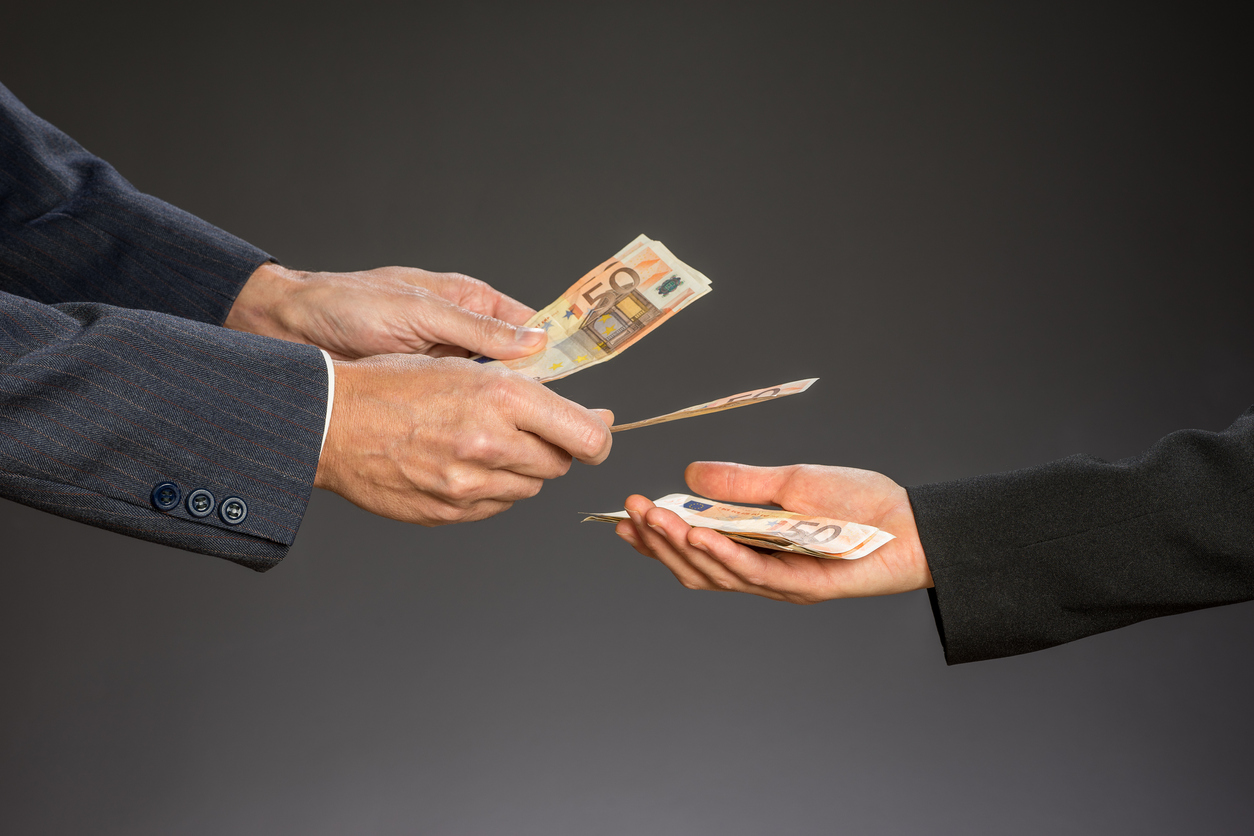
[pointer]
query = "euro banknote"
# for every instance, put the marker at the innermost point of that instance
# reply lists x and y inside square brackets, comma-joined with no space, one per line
[610,309]
[773,529]
[753,396]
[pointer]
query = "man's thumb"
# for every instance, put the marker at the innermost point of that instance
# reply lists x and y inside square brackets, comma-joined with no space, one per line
[491,337]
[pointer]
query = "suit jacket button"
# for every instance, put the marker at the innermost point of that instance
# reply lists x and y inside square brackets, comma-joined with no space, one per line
[200,503]
[166,496]
[233,510]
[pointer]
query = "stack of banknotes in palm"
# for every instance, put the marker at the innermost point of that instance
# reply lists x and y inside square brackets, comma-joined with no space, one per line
[772,529]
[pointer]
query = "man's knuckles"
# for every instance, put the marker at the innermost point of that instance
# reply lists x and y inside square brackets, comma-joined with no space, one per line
[591,440]
[460,486]
[508,392]
[445,513]
[559,466]
[530,488]
[459,286]
[480,445]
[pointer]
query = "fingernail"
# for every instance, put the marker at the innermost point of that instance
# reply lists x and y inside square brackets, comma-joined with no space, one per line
[698,546]
[529,336]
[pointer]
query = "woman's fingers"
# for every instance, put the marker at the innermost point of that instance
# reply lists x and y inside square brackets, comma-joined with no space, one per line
[658,545]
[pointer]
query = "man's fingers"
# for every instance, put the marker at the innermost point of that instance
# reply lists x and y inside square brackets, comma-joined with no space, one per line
[583,433]
[526,454]
[506,486]
[503,307]
[447,514]
[542,458]
[481,297]
[480,333]
[730,482]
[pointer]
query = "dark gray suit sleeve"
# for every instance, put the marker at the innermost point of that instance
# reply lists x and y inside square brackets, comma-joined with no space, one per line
[73,230]
[1034,558]
[99,405]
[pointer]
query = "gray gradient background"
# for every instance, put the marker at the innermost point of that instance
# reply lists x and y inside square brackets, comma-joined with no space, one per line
[1000,237]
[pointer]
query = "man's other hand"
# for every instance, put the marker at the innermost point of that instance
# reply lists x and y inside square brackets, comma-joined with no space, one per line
[704,559]
[391,310]
[443,441]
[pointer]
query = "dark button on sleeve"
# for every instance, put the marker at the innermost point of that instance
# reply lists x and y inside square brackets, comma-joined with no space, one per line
[166,496]
[233,510]
[200,503]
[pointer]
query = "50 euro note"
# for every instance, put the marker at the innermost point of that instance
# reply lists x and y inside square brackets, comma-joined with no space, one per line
[753,396]
[610,309]
[764,528]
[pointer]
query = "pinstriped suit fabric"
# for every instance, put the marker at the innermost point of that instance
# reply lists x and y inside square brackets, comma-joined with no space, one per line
[74,230]
[100,402]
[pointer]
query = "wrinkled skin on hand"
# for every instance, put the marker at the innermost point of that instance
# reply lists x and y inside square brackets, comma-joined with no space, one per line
[389,310]
[704,559]
[435,441]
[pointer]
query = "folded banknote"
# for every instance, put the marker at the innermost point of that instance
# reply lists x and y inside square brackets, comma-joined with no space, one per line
[773,529]
[753,396]
[610,309]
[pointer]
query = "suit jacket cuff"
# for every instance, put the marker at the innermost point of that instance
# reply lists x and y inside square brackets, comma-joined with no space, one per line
[326,423]
[100,406]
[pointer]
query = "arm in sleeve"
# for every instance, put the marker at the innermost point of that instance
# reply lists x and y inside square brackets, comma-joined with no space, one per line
[1034,558]
[73,230]
[101,405]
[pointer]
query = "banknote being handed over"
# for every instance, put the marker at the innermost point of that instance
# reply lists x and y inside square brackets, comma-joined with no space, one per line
[610,309]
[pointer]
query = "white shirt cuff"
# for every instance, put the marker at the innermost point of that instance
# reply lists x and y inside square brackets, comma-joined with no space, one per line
[330,398]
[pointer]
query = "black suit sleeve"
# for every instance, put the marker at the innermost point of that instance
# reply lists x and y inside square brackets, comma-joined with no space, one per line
[1033,558]
[73,230]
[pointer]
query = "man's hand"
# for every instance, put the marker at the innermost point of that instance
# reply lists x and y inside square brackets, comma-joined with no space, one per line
[391,310]
[704,559]
[444,441]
